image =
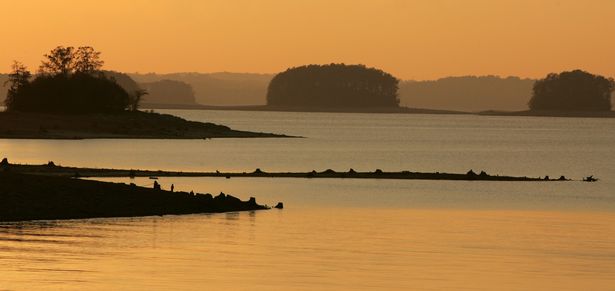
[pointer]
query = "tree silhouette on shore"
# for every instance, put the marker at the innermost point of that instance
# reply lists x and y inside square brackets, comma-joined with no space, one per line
[18,79]
[333,86]
[69,80]
[573,91]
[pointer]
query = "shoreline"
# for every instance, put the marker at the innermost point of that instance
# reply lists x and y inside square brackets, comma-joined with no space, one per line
[385,110]
[26,197]
[79,172]
[266,108]
[529,113]
[126,125]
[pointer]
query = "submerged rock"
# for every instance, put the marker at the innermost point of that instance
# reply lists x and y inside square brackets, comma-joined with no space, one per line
[590,179]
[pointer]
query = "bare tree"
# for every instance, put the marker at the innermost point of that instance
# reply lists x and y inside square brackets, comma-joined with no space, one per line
[18,78]
[136,99]
[58,61]
[68,60]
[87,60]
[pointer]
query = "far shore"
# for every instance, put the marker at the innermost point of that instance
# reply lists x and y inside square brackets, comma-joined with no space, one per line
[79,172]
[302,109]
[589,114]
[400,110]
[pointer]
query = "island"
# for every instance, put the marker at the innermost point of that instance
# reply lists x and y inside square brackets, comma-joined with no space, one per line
[128,124]
[568,94]
[572,91]
[343,89]
[333,86]
[71,97]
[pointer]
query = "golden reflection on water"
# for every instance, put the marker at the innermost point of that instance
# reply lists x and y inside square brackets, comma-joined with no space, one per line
[324,249]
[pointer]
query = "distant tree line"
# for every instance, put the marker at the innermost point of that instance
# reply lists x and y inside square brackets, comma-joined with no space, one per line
[467,93]
[212,88]
[169,92]
[69,80]
[572,91]
[333,86]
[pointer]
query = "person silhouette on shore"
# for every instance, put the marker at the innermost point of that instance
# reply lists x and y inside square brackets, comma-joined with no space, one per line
[172,187]
[156,185]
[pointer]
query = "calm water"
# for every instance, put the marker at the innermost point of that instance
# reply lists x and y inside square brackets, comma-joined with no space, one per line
[342,234]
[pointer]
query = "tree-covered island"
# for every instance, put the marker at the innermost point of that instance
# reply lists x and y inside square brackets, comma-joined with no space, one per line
[70,96]
[572,91]
[333,86]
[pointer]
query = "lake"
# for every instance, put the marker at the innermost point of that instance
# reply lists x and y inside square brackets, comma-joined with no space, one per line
[345,234]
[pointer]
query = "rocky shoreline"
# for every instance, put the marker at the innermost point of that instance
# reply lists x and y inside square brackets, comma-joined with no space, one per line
[26,197]
[51,169]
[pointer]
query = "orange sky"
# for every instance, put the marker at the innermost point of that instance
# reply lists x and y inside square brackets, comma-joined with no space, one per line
[413,39]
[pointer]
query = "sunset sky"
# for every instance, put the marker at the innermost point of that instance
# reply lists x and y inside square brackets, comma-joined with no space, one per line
[413,39]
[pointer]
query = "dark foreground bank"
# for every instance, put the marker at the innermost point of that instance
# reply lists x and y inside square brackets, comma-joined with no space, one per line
[118,125]
[55,170]
[33,197]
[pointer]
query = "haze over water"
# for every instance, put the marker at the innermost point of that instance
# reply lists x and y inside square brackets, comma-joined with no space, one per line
[341,234]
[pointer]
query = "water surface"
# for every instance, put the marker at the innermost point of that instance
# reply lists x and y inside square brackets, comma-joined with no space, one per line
[342,234]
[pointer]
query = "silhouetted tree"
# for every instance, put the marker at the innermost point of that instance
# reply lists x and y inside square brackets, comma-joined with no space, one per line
[87,60]
[573,91]
[135,98]
[67,60]
[18,79]
[123,80]
[333,86]
[135,91]
[69,82]
[59,61]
